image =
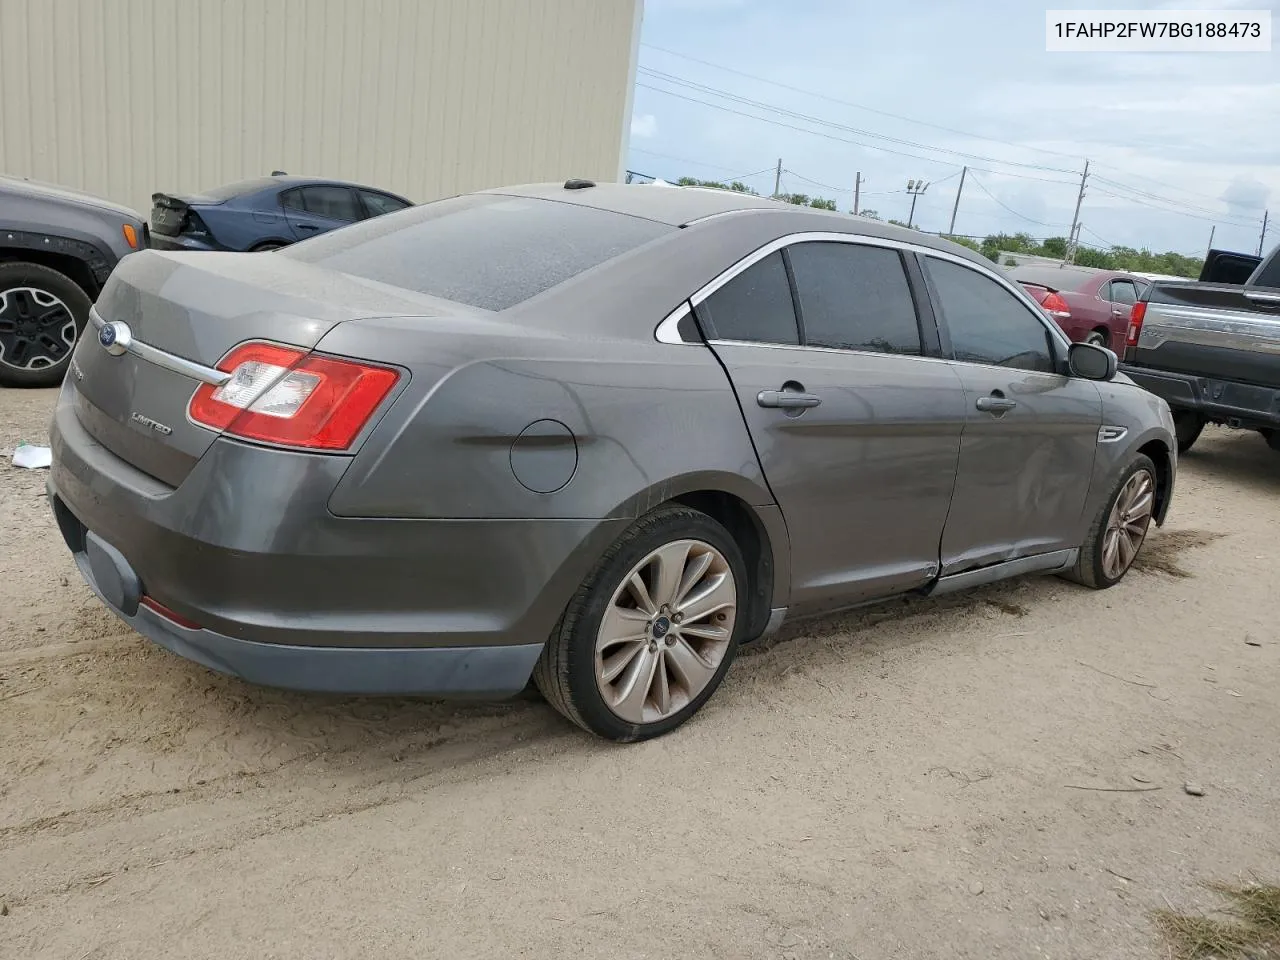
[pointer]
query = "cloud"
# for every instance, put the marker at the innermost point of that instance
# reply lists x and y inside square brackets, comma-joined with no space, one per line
[1246,197]
[644,126]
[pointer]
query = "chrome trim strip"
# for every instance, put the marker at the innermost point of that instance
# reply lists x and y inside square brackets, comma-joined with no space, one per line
[669,329]
[1209,327]
[1110,434]
[1263,297]
[166,360]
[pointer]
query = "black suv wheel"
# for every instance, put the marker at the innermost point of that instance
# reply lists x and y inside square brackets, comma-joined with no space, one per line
[42,313]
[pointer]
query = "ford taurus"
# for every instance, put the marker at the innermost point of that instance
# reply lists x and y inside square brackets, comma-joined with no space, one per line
[596,435]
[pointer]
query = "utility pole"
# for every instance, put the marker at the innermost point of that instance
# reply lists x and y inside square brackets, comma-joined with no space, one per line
[1075,219]
[777,179]
[857,191]
[1263,238]
[1211,232]
[916,188]
[952,229]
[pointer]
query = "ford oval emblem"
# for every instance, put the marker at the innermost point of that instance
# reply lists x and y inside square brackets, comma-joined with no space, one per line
[115,337]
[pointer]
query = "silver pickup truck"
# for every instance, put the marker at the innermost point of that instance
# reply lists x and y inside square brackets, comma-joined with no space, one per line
[1212,351]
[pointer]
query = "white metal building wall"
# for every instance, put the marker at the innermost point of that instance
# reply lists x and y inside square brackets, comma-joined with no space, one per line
[427,98]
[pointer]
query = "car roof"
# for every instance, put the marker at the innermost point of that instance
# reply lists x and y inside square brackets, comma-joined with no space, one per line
[684,206]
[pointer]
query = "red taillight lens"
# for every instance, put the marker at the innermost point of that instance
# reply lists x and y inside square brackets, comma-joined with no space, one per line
[283,395]
[1136,316]
[1056,306]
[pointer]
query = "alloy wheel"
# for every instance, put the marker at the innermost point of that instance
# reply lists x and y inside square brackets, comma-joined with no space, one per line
[1096,338]
[1127,524]
[37,329]
[666,631]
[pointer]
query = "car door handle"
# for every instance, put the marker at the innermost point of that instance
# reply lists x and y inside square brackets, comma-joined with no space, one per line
[308,226]
[995,404]
[787,399]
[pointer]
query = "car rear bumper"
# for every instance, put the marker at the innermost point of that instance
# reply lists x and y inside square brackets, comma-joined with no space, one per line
[1240,404]
[262,582]
[163,241]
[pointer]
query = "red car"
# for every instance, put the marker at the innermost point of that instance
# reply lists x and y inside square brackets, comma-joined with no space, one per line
[1089,305]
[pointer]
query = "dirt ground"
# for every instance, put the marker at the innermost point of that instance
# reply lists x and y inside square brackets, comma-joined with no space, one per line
[997,774]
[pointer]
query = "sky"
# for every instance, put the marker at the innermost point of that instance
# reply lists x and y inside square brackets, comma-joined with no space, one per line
[1178,143]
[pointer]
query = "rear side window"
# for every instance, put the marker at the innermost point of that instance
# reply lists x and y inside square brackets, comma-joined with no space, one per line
[1122,291]
[332,203]
[987,323]
[482,250]
[854,297]
[754,307]
[379,203]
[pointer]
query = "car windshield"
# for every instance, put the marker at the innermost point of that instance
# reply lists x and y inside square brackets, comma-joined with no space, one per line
[483,250]
[1056,278]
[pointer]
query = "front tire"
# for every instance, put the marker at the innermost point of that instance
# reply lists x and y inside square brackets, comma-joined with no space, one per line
[649,636]
[1120,528]
[42,314]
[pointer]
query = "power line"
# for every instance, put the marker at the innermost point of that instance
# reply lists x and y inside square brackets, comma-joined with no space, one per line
[983,187]
[1177,203]
[922,123]
[667,156]
[795,114]
[858,106]
[1181,213]
[790,126]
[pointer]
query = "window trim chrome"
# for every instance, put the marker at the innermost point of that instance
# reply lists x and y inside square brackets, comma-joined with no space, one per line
[667,331]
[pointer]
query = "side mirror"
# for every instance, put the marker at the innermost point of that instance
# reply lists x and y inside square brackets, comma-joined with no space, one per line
[1091,362]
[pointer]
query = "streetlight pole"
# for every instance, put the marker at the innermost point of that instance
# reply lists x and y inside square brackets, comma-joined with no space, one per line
[916,188]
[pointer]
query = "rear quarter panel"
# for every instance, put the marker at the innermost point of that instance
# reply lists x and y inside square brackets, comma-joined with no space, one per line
[243,223]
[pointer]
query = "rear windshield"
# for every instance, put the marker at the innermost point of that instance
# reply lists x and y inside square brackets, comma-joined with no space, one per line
[1053,277]
[482,250]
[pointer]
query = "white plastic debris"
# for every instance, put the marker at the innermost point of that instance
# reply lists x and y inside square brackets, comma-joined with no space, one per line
[32,457]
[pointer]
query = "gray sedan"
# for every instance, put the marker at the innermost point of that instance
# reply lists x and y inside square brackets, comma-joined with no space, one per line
[596,435]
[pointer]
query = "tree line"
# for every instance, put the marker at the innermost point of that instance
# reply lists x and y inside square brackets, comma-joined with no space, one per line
[1115,258]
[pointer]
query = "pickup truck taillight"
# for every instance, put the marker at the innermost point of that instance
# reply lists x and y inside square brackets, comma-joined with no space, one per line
[1136,316]
[1056,307]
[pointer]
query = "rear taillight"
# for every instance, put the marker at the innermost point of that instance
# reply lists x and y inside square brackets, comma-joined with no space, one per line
[284,395]
[1136,316]
[1056,307]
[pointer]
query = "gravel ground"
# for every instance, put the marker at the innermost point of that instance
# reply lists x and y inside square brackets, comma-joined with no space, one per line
[997,774]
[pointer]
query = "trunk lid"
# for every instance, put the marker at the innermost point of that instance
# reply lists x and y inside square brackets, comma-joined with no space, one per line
[197,306]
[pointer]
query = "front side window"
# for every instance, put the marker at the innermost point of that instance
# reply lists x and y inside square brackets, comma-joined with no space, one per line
[987,323]
[753,307]
[854,297]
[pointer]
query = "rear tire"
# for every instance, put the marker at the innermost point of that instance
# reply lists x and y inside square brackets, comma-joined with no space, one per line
[1099,338]
[1272,436]
[1187,425]
[268,246]
[1120,528]
[42,314]
[633,662]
